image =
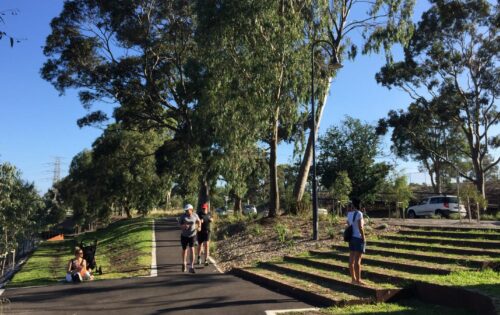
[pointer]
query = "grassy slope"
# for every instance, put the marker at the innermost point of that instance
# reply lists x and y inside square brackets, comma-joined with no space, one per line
[47,265]
[486,282]
[408,307]
[124,248]
[127,243]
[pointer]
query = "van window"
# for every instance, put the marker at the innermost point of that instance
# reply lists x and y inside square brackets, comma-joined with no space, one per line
[451,200]
[424,202]
[436,200]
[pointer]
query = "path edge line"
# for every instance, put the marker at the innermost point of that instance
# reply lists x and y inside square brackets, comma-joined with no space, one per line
[154,270]
[275,312]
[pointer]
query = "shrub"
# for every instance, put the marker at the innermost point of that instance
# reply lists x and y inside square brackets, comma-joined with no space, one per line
[454,216]
[489,217]
[281,232]
[334,219]
[330,231]
[256,229]
[323,217]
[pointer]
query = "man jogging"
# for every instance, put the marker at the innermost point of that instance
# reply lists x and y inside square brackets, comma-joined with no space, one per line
[189,222]
[204,233]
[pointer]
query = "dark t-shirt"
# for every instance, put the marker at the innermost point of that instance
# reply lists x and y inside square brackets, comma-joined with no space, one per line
[205,226]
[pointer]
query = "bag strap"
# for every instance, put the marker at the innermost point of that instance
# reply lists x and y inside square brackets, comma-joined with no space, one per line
[354,217]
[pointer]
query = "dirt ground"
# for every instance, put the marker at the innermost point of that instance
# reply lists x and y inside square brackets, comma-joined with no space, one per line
[244,243]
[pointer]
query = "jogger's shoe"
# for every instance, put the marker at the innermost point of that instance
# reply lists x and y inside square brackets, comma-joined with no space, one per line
[183,268]
[191,270]
[199,260]
[207,262]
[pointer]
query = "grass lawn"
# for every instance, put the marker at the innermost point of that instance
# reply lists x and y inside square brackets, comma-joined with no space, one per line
[486,282]
[124,250]
[47,265]
[407,307]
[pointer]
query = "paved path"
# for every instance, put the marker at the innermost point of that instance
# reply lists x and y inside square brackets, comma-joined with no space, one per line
[172,292]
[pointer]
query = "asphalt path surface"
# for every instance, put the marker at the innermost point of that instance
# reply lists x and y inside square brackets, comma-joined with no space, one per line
[171,292]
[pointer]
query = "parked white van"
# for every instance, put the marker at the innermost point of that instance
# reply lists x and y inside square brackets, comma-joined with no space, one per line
[437,205]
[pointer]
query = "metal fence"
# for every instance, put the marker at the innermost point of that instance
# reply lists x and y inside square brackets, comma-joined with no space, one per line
[10,259]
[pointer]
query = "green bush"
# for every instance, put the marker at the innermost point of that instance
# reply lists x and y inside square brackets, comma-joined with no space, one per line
[489,217]
[323,217]
[330,231]
[334,219]
[256,229]
[455,216]
[281,231]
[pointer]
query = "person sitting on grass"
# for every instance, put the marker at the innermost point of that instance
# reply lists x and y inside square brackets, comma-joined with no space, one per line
[77,268]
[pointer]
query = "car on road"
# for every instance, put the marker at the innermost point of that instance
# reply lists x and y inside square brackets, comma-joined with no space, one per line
[249,209]
[223,211]
[322,211]
[443,205]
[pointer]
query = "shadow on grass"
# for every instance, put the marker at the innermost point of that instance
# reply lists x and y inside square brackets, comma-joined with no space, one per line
[48,263]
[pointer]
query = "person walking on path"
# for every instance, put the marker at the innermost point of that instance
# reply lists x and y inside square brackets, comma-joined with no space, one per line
[189,222]
[204,233]
[358,241]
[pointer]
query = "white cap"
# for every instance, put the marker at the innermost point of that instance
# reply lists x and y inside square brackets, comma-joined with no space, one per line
[188,206]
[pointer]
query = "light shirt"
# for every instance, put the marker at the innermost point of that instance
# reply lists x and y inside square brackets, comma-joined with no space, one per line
[191,222]
[355,226]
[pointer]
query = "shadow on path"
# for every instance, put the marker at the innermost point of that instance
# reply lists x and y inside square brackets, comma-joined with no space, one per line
[172,292]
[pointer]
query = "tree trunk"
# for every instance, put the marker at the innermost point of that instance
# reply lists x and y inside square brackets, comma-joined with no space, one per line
[203,193]
[437,171]
[274,197]
[468,209]
[128,212]
[168,197]
[300,184]
[478,212]
[237,204]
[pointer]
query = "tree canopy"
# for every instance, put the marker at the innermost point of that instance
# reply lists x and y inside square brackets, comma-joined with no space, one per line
[451,71]
[352,148]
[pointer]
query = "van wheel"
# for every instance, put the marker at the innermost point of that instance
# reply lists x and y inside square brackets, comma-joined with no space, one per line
[411,214]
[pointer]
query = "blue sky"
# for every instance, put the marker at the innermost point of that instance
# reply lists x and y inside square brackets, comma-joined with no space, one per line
[37,124]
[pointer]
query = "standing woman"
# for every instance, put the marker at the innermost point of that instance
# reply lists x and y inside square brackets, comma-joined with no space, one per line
[358,241]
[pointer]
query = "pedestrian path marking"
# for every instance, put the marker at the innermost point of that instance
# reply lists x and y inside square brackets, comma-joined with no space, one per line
[214,263]
[275,312]
[154,270]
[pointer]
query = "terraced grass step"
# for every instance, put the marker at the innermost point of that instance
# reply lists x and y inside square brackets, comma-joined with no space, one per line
[446,241]
[453,228]
[407,265]
[428,257]
[309,292]
[374,274]
[335,280]
[448,234]
[436,248]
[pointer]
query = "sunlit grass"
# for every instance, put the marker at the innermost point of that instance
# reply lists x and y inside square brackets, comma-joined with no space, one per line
[124,250]
[409,307]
